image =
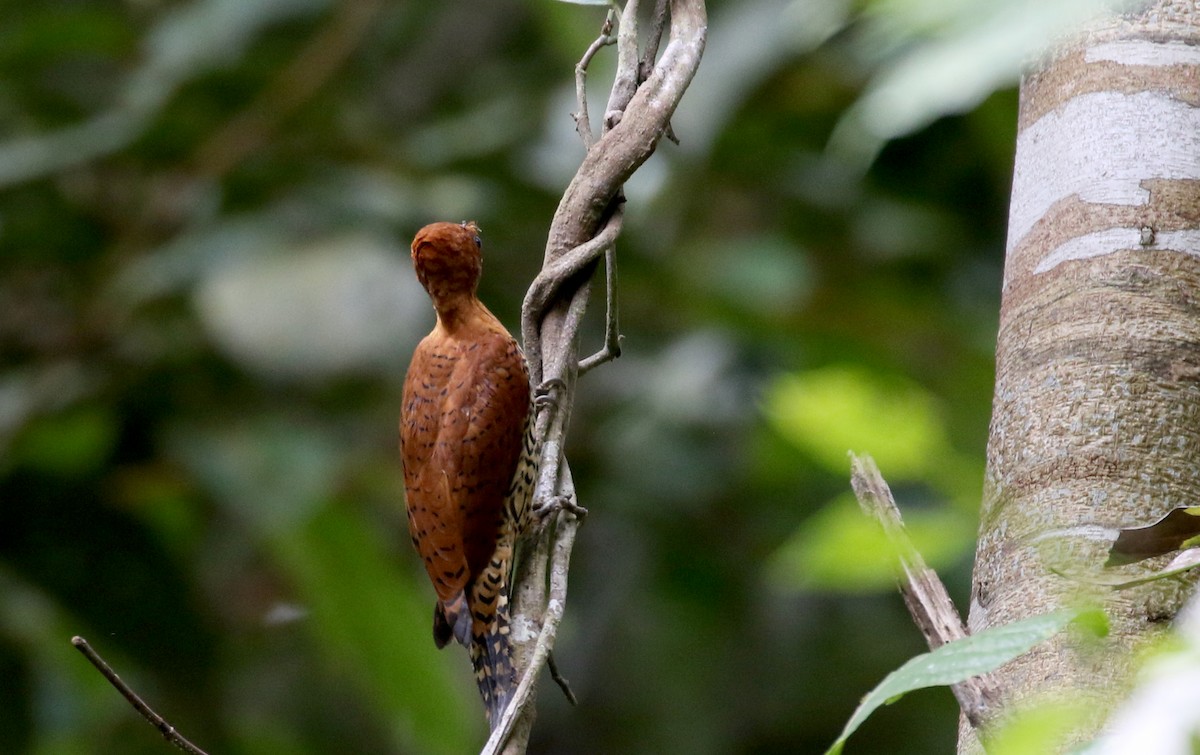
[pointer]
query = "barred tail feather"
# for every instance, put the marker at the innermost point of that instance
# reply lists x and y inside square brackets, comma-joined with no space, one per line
[491,657]
[491,646]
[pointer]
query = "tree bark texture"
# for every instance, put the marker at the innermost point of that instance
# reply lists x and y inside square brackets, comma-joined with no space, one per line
[1096,413]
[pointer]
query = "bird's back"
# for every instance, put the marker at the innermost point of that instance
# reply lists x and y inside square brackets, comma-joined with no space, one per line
[465,405]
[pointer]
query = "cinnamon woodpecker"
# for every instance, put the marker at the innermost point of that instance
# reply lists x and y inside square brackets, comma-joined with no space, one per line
[468,456]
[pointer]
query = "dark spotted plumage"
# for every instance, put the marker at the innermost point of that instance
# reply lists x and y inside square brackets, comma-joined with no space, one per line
[468,455]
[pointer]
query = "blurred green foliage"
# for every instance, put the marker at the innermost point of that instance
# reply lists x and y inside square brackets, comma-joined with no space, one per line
[206,310]
[1043,727]
[828,410]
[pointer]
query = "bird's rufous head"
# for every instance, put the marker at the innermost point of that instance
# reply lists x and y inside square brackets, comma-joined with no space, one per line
[448,258]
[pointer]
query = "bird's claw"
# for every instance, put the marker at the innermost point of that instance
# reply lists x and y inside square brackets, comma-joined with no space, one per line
[546,393]
[558,503]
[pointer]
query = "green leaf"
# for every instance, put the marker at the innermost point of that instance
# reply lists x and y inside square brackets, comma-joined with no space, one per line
[956,662]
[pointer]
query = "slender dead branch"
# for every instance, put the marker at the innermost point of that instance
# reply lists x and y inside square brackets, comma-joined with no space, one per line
[560,680]
[583,122]
[612,330]
[502,738]
[167,730]
[924,594]
[628,143]
[585,225]
[541,582]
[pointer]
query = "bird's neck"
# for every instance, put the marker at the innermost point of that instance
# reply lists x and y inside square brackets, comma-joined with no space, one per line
[464,313]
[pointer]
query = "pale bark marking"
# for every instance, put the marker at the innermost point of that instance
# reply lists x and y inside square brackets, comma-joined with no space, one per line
[1096,146]
[1143,52]
[1113,240]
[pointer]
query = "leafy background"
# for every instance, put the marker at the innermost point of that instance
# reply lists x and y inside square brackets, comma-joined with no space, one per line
[206,310]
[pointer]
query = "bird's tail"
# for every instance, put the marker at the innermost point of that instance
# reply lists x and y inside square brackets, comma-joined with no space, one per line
[491,646]
[491,657]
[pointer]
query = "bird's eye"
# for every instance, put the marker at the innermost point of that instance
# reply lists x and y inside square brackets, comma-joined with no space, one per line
[479,242]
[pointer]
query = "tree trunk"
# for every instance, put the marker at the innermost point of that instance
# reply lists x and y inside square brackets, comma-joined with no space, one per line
[1096,414]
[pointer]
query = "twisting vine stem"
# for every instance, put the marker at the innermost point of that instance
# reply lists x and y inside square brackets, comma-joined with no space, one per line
[585,227]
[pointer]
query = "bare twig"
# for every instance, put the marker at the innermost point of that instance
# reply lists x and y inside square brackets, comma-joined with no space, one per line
[560,680]
[627,145]
[167,730]
[924,594]
[583,123]
[612,331]
[508,736]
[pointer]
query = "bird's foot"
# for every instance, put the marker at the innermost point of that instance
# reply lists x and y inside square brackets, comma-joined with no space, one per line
[546,394]
[558,503]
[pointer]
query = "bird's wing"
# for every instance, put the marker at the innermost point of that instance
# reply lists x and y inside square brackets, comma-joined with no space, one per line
[461,435]
[491,418]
